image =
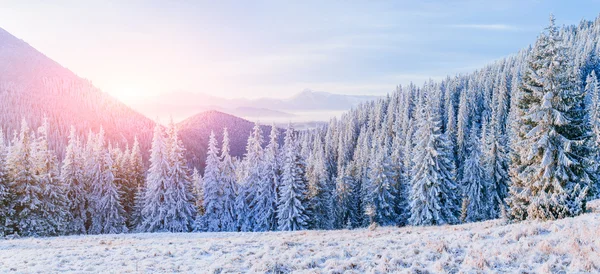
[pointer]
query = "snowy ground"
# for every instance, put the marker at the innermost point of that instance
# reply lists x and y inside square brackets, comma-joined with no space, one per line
[570,245]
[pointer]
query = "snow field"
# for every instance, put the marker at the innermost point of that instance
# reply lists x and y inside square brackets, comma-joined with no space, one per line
[570,245]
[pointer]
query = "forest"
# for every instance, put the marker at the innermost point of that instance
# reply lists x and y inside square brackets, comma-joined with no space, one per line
[518,139]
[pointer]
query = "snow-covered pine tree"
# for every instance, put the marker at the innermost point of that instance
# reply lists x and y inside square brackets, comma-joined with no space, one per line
[592,90]
[198,184]
[319,190]
[137,177]
[27,214]
[107,214]
[229,186]
[54,203]
[347,202]
[213,193]
[138,207]
[475,182]
[73,180]
[179,199]
[433,198]
[270,181]
[157,182]
[292,204]
[551,154]
[496,164]
[254,196]
[126,183]
[381,191]
[4,187]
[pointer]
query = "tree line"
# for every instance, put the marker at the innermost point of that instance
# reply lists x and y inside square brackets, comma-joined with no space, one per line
[518,139]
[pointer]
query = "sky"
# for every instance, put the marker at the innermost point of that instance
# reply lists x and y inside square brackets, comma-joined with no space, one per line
[137,49]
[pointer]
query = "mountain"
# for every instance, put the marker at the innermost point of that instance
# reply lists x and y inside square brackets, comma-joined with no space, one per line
[195,131]
[33,86]
[181,104]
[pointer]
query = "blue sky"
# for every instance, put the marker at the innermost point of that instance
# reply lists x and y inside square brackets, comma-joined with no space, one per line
[134,49]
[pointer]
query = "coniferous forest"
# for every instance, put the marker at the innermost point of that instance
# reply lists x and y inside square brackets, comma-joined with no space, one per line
[518,139]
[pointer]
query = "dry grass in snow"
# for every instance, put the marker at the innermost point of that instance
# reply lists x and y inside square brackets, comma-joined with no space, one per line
[570,245]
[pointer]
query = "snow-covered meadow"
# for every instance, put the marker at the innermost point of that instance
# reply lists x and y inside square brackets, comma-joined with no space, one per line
[570,245]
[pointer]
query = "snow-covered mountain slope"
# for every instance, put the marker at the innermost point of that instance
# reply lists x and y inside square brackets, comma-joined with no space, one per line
[33,86]
[569,246]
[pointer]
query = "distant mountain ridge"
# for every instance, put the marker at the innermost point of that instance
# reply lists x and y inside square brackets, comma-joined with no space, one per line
[181,104]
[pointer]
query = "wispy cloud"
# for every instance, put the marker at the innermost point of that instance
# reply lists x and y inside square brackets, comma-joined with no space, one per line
[497,27]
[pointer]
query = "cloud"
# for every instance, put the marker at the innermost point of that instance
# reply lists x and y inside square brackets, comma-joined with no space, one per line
[497,27]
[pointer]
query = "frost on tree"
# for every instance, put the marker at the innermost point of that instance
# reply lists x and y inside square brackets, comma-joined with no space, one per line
[434,193]
[179,199]
[475,182]
[107,213]
[198,184]
[228,183]
[30,212]
[251,198]
[381,190]
[4,191]
[76,192]
[592,90]
[265,202]
[319,190]
[551,161]
[213,194]
[168,200]
[292,204]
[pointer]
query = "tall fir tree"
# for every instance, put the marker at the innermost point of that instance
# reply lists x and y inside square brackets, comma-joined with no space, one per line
[25,209]
[158,182]
[253,195]
[382,191]
[72,176]
[319,190]
[4,187]
[179,199]
[228,181]
[107,213]
[213,194]
[551,154]
[292,204]
[433,194]
[475,182]
[270,182]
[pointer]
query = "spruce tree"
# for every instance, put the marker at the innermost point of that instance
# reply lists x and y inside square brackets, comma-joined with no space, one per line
[229,186]
[4,187]
[158,182]
[381,191]
[198,184]
[552,156]
[179,199]
[251,198]
[213,193]
[292,204]
[72,176]
[107,214]
[475,182]
[25,210]
[270,181]
[319,190]
[433,194]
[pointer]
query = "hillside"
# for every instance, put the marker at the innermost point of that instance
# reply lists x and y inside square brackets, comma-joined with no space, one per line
[194,133]
[32,86]
[570,245]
